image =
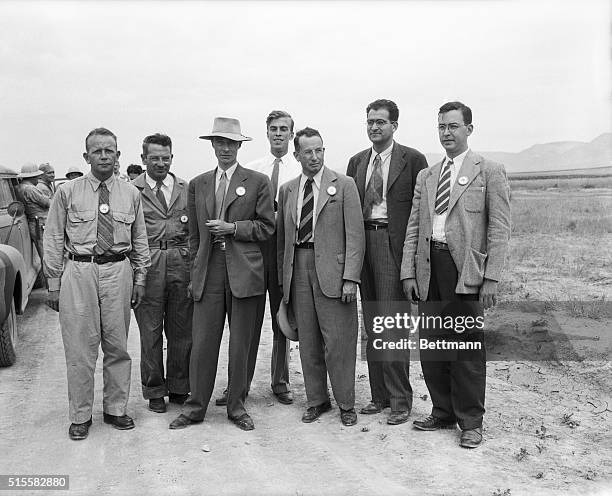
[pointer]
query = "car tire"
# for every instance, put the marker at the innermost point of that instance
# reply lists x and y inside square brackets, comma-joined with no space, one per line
[8,338]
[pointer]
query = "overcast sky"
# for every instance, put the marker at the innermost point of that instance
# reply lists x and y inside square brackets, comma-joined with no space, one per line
[532,71]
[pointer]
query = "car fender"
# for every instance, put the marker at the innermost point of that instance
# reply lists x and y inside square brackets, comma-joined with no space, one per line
[12,266]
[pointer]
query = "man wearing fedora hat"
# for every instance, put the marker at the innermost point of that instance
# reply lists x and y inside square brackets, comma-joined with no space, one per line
[36,203]
[230,211]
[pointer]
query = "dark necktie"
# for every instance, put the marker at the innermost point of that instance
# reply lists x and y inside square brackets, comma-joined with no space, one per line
[105,222]
[305,230]
[160,195]
[220,197]
[274,177]
[374,191]
[444,184]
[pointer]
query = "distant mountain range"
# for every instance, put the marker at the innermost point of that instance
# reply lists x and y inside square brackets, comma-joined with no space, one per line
[555,156]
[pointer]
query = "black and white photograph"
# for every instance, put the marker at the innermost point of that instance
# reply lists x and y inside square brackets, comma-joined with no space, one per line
[297,247]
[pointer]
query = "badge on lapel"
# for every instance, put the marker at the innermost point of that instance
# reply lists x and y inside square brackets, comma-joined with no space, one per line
[240,191]
[462,180]
[331,191]
[184,219]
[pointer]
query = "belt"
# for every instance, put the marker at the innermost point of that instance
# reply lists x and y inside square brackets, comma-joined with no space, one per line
[375,226]
[164,244]
[309,245]
[99,259]
[438,245]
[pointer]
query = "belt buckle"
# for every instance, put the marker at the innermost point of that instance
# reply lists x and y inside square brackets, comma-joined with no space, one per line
[163,244]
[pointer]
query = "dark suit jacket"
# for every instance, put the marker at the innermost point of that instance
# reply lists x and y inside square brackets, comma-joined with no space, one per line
[254,217]
[403,169]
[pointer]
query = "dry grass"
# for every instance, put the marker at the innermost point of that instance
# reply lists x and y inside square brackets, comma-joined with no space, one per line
[562,184]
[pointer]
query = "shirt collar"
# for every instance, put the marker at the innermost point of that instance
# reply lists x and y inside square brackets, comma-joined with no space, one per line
[316,178]
[384,154]
[284,159]
[458,160]
[167,182]
[229,172]
[95,182]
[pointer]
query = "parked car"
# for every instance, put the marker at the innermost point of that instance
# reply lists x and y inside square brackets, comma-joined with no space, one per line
[20,264]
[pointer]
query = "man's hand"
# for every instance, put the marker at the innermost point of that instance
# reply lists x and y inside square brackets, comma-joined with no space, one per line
[411,289]
[349,291]
[53,300]
[488,293]
[137,295]
[221,228]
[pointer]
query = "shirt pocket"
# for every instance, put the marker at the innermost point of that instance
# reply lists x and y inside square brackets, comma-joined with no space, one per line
[81,226]
[122,223]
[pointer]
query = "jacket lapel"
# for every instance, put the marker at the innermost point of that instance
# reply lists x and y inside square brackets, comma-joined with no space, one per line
[176,190]
[469,169]
[237,177]
[360,176]
[396,165]
[293,189]
[432,188]
[209,193]
[327,179]
[141,183]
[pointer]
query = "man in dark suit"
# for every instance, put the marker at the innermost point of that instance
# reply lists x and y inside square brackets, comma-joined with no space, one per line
[230,211]
[320,254]
[385,176]
[455,248]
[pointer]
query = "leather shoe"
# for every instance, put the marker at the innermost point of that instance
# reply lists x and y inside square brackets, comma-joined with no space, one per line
[374,407]
[182,421]
[245,422]
[79,431]
[348,417]
[121,422]
[286,397]
[432,423]
[222,400]
[398,417]
[471,438]
[178,398]
[157,405]
[314,412]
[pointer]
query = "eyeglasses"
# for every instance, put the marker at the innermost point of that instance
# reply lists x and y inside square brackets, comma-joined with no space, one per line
[315,151]
[165,159]
[378,122]
[453,127]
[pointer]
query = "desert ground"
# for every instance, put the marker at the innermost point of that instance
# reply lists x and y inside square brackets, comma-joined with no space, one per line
[546,431]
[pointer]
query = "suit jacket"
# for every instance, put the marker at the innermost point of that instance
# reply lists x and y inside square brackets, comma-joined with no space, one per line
[254,217]
[404,166]
[477,225]
[339,243]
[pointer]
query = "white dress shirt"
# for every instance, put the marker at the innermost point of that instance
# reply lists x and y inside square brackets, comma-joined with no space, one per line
[228,173]
[438,232]
[167,186]
[288,168]
[316,185]
[380,211]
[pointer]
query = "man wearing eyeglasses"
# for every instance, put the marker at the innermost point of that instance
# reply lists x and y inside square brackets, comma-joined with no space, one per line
[320,254]
[454,252]
[385,175]
[166,307]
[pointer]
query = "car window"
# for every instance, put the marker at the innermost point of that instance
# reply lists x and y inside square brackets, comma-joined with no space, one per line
[6,193]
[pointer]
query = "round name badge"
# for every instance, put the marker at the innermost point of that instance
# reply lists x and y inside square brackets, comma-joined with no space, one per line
[462,180]
[184,219]
[331,191]
[240,191]
[104,208]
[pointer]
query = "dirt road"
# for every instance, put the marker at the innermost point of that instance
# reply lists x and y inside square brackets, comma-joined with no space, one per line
[286,457]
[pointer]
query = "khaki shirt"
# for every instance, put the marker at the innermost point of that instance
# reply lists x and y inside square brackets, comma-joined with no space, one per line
[72,226]
[36,203]
[45,188]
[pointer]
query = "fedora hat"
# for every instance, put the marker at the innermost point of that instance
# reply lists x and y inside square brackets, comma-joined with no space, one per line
[30,170]
[286,321]
[225,127]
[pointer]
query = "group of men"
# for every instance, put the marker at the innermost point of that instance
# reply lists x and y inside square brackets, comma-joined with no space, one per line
[187,255]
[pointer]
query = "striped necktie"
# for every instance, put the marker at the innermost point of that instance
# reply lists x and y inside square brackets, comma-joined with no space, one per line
[444,187]
[374,191]
[305,230]
[160,195]
[105,222]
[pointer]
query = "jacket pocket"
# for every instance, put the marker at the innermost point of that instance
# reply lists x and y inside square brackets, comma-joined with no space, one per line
[474,199]
[473,268]
[81,226]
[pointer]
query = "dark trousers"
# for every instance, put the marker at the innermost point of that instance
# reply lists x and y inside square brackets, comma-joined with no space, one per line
[165,308]
[456,386]
[380,284]
[328,336]
[208,322]
[279,367]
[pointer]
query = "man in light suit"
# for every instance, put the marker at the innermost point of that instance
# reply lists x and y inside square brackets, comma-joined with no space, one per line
[455,249]
[385,175]
[230,211]
[320,253]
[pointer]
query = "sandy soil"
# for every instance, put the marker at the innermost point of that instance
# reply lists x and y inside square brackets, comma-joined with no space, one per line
[547,428]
